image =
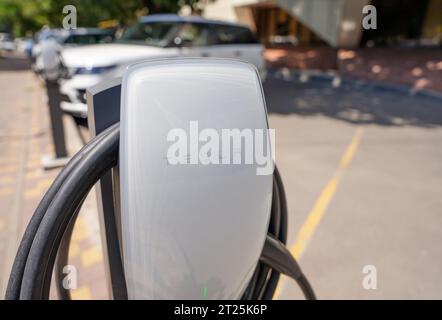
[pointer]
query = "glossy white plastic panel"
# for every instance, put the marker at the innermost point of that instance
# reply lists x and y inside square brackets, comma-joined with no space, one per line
[190,231]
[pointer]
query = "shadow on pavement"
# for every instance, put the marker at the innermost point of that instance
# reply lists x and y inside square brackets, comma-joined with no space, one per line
[13,63]
[358,105]
[350,103]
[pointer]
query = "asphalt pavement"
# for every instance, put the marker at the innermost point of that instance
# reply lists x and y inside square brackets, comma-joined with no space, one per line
[363,171]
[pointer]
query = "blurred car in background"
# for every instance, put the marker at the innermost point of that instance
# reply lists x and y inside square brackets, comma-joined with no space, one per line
[68,38]
[153,36]
[24,45]
[6,42]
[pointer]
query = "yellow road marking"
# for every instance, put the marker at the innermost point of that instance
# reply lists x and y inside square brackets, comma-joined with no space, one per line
[8,169]
[32,174]
[41,187]
[314,217]
[91,256]
[81,232]
[7,180]
[320,207]
[6,192]
[74,250]
[351,149]
[82,293]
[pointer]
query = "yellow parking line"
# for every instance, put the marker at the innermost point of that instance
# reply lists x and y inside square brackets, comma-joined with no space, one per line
[81,231]
[314,217]
[7,180]
[82,293]
[74,249]
[91,256]
[6,192]
[320,207]
[351,149]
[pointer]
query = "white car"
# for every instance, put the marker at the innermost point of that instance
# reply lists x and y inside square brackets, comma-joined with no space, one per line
[66,39]
[155,36]
[7,42]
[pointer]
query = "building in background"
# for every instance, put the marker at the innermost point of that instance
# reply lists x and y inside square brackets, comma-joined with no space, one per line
[336,23]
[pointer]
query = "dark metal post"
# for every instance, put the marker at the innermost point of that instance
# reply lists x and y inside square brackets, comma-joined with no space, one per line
[56,115]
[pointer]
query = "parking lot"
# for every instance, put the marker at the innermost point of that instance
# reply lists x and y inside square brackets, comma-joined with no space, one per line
[363,171]
[362,167]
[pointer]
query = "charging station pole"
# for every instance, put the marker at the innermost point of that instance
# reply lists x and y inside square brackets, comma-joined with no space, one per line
[50,72]
[56,116]
[57,128]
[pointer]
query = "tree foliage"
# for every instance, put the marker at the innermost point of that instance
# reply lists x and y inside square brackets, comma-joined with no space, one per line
[27,16]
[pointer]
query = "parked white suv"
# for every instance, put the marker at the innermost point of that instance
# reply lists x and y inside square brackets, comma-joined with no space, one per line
[66,39]
[151,37]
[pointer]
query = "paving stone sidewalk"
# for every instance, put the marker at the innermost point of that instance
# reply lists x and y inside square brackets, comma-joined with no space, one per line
[419,68]
[25,137]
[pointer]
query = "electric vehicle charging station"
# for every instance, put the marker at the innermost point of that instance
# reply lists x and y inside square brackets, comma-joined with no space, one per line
[179,229]
[195,217]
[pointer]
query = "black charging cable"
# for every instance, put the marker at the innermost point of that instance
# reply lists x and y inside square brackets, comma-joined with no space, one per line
[265,279]
[18,267]
[40,261]
[276,255]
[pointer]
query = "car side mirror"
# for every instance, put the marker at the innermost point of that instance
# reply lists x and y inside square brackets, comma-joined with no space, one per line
[193,199]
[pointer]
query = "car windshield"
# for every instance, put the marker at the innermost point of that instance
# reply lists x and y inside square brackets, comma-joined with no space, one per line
[189,34]
[157,34]
[88,38]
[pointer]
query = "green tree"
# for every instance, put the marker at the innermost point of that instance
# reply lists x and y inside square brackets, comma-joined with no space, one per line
[19,16]
[26,16]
